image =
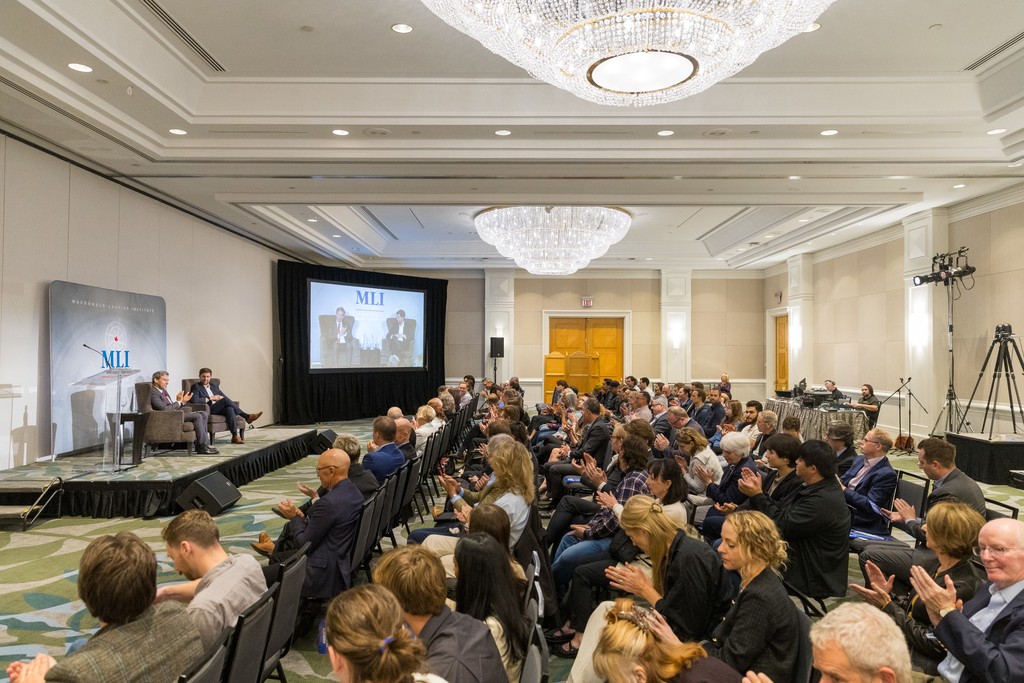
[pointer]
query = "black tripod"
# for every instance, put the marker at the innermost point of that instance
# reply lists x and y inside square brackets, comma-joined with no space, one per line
[955,415]
[1003,340]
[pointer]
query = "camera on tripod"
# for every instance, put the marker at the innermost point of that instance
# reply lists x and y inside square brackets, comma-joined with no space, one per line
[1003,332]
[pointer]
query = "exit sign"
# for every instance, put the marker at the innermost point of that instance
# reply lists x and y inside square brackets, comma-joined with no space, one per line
[586,302]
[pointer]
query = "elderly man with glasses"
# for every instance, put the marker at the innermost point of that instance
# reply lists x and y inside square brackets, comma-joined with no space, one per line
[329,526]
[870,483]
[985,636]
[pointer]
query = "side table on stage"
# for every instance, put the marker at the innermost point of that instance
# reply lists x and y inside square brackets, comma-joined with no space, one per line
[138,423]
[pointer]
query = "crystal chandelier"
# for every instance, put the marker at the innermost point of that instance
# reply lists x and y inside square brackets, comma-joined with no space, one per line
[552,240]
[630,52]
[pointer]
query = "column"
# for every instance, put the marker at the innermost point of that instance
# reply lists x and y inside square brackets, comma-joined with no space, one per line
[925,335]
[801,319]
[676,342]
[499,319]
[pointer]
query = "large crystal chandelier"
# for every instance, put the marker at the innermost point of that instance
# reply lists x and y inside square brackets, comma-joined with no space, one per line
[630,52]
[552,240]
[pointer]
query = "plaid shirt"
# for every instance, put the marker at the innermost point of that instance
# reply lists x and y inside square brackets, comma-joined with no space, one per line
[604,523]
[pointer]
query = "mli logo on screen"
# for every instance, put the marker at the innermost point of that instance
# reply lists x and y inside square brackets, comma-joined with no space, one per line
[115,346]
[370,297]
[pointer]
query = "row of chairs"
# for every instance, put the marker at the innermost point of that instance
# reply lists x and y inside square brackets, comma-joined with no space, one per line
[251,651]
[385,510]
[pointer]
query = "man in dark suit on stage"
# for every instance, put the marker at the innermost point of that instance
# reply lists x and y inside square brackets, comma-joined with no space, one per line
[159,399]
[207,392]
[400,336]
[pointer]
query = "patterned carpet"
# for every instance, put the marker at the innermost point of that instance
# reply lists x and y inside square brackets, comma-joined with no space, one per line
[39,609]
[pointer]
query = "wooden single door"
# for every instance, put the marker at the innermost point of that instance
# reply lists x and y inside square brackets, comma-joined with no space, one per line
[782,353]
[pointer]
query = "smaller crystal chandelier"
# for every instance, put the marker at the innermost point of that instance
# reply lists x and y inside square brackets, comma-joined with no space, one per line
[630,52]
[552,240]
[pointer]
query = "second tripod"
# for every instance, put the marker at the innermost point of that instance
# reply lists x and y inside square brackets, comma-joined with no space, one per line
[1003,343]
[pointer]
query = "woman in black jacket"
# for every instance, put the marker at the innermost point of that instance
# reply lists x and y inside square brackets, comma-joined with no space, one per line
[952,532]
[761,631]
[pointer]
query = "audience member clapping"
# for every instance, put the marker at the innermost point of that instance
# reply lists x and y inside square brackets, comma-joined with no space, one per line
[952,532]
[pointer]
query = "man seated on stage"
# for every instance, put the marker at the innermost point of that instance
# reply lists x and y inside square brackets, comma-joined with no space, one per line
[159,399]
[399,339]
[220,586]
[329,525]
[137,641]
[206,392]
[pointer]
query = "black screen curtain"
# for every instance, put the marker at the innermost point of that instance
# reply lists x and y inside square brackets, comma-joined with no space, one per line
[308,397]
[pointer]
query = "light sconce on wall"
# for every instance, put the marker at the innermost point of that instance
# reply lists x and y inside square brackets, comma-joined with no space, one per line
[796,330]
[676,332]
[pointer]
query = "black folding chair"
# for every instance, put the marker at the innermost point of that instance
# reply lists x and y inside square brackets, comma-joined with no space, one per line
[209,667]
[245,662]
[286,608]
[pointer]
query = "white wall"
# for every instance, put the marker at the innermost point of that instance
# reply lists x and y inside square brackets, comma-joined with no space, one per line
[58,222]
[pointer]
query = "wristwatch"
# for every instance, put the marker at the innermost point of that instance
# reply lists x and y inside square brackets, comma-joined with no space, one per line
[946,610]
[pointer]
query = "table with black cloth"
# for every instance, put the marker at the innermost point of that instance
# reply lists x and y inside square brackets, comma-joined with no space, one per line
[814,423]
[988,460]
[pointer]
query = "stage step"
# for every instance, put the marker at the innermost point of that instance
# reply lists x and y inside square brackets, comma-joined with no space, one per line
[25,500]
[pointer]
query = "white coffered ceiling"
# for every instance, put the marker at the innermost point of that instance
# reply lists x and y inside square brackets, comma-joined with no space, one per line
[745,181]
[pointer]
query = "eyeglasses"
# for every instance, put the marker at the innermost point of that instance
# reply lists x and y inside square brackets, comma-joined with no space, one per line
[867,440]
[325,467]
[994,551]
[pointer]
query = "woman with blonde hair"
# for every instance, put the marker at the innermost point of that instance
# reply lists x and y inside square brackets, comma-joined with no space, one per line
[693,451]
[632,649]
[510,488]
[761,631]
[368,642]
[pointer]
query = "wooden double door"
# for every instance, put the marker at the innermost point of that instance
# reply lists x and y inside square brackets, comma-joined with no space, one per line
[601,339]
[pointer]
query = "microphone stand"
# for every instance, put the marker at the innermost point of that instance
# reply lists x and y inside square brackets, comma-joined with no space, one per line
[899,411]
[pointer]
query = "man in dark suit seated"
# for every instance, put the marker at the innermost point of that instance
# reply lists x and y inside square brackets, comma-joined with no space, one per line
[400,336]
[206,392]
[330,526]
[870,483]
[159,399]
[985,636]
[383,455]
[593,440]
[137,640]
[937,459]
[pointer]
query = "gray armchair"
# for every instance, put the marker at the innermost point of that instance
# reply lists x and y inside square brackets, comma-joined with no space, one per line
[164,426]
[214,423]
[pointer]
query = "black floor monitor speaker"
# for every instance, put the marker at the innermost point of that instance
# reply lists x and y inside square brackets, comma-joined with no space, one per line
[497,347]
[213,493]
[324,440]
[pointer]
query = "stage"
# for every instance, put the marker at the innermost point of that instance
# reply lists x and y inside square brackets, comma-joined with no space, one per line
[150,489]
[988,460]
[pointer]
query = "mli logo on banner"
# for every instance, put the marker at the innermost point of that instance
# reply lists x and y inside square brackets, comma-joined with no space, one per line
[115,346]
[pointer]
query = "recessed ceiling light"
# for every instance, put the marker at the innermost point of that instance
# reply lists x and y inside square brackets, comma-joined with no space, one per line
[804,220]
[769,236]
[503,132]
[958,186]
[741,249]
[340,236]
[829,132]
[794,177]
[1015,164]
[995,131]
[811,27]
[339,131]
[311,220]
[649,258]
[808,243]
[75,66]
[401,28]
[899,177]
[177,131]
[666,133]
